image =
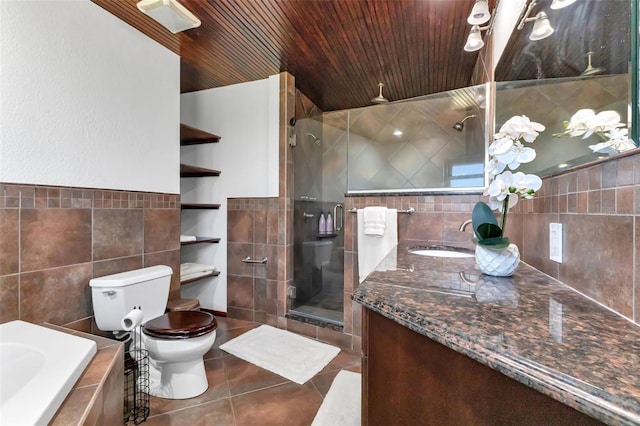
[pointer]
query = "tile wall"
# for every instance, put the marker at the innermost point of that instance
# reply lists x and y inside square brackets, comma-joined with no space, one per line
[53,240]
[599,208]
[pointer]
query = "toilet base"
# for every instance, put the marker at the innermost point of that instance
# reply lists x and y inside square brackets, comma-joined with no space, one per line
[180,380]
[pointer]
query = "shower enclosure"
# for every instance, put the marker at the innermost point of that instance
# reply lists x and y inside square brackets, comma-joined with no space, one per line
[319,157]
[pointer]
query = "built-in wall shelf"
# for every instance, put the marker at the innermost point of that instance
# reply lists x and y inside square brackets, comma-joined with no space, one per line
[200,277]
[193,171]
[191,136]
[201,240]
[197,206]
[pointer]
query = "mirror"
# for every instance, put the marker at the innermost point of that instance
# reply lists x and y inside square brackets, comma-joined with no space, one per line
[585,63]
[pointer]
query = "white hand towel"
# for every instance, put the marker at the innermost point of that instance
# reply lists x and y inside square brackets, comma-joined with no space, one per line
[187,238]
[375,220]
[373,249]
[194,268]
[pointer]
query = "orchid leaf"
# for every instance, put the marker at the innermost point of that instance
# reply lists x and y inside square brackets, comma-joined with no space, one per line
[488,230]
[482,214]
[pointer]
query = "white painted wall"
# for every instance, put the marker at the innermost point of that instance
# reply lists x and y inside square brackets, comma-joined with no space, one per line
[85,100]
[504,24]
[246,116]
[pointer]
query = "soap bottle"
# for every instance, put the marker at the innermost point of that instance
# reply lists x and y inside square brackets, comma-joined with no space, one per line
[322,225]
[329,223]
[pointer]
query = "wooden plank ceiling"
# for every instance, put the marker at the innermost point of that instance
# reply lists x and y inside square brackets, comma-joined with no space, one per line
[338,50]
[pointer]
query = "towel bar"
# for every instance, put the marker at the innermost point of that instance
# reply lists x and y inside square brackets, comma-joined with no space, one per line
[249,260]
[410,210]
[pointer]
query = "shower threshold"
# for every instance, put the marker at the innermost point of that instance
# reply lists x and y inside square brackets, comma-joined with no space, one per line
[319,314]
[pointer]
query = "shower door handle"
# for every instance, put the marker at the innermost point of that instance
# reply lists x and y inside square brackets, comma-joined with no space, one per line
[338,219]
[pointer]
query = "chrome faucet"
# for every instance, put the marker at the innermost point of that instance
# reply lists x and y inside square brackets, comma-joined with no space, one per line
[464,224]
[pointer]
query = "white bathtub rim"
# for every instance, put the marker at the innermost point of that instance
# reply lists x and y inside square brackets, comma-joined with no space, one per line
[67,356]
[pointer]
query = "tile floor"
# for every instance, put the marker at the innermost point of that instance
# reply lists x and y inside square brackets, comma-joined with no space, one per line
[241,393]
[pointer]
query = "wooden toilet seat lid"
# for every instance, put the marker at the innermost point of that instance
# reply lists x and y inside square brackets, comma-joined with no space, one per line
[180,325]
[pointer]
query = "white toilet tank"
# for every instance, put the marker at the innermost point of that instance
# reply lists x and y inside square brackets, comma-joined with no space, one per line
[115,295]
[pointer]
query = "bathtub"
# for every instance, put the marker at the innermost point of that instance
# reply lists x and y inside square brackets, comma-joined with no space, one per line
[38,368]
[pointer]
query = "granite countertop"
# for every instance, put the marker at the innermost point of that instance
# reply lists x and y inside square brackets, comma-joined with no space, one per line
[529,327]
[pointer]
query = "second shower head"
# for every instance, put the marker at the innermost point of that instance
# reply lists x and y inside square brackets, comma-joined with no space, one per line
[459,125]
[315,139]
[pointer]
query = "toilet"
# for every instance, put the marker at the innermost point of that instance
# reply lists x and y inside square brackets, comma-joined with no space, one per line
[176,340]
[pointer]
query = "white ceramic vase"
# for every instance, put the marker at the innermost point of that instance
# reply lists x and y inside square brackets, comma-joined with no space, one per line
[498,263]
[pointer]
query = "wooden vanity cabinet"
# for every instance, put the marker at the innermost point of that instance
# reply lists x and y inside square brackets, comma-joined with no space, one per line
[409,379]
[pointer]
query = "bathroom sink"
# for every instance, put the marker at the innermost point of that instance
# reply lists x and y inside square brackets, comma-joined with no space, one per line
[441,251]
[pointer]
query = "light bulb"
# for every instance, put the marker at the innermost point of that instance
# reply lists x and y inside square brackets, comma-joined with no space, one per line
[480,13]
[474,40]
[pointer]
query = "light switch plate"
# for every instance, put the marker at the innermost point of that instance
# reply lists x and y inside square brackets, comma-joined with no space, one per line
[555,242]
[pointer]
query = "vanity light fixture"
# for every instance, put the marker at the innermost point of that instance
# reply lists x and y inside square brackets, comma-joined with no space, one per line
[171,14]
[474,40]
[541,26]
[480,13]
[559,4]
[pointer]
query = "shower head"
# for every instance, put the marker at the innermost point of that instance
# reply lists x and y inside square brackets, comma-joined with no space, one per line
[459,125]
[591,70]
[315,139]
[380,99]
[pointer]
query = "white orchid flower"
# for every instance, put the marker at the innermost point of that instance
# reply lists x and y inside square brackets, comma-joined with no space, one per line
[526,185]
[520,127]
[618,142]
[577,125]
[494,167]
[516,155]
[501,188]
[501,145]
[586,122]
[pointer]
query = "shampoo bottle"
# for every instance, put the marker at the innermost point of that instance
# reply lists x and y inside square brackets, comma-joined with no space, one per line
[329,223]
[322,225]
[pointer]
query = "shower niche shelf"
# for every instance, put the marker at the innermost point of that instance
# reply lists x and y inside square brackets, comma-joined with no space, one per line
[193,171]
[192,136]
[321,236]
[199,206]
[200,277]
[201,240]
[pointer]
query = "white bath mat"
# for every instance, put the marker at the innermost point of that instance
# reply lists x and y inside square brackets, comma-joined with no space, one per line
[341,406]
[287,354]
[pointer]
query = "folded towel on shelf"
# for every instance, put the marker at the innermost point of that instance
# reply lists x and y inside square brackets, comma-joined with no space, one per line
[374,221]
[188,277]
[194,268]
[187,238]
[372,249]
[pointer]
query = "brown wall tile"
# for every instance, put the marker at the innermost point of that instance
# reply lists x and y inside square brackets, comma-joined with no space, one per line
[54,237]
[535,249]
[598,258]
[57,242]
[170,258]
[637,270]
[240,226]
[58,296]
[240,292]
[161,230]
[9,298]
[117,233]
[9,226]
[114,266]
